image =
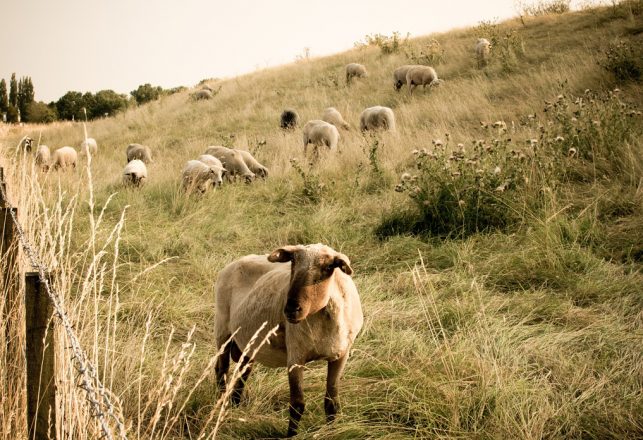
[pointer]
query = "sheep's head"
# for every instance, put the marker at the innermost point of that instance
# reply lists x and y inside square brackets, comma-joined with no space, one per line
[249,177]
[216,175]
[311,270]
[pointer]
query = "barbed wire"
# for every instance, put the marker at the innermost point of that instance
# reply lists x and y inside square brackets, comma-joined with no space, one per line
[90,383]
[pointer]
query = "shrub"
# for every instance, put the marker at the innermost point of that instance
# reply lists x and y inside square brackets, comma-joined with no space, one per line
[623,60]
[314,188]
[545,7]
[428,54]
[506,45]
[387,44]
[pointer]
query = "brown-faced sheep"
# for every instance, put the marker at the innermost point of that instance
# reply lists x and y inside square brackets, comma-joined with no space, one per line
[355,70]
[483,50]
[421,76]
[399,75]
[377,118]
[135,173]
[308,295]
[318,133]
[140,152]
[233,162]
[64,157]
[289,119]
[333,116]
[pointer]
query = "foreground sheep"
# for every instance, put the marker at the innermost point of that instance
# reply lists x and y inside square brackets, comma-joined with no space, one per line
[199,176]
[215,164]
[355,70]
[135,173]
[253,164]
[377,118]
[399,75]
[43,156]
[88,144]
[421,76]
[289,119]
[483,50]
[64,157]
[233,162]
[140,152]
[333,116]
[320,133]
[308,295]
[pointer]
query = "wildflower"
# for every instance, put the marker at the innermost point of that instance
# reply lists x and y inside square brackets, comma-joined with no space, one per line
[437,142]
[571,152]
[501,188]
[574,119]
[399,187]
[415,152]
[559,139]
[532,142]
[499,124]
[496,170]
[560,97]
[405,176]
[461,146]
[456,174]
[596,122]
[461,203]
[479,171]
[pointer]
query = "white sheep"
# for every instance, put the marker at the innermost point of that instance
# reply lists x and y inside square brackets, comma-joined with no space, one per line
[308,295]
[199,176]
[399,75]
[43,157]
[289,119]
[355,70]
[483,50]
[64,157]
[377,118]
[333,116]
[253,164]
[140,152]
[135,173]
[233,162]
[421,76]
[318,133]
[88,144]
[215,164]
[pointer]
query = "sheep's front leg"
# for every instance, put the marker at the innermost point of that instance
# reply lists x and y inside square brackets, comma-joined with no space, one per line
[331,400]
[297,405]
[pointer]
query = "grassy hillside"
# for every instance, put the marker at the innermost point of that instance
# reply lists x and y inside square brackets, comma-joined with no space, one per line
[525,327]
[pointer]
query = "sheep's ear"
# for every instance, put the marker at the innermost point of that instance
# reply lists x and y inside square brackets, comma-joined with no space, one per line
[223,172]
[343,263]
[282,254]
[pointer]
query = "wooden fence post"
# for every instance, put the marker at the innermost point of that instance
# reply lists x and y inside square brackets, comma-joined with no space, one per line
[41,387]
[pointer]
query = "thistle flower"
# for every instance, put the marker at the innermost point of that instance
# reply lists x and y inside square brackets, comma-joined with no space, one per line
[572,152]
[405,176]
[496,170]
[559,139]
[437,142]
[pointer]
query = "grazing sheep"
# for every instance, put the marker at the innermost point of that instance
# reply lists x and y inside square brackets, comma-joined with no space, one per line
[399,75]
[135,173]
[377,118]
[233,163]
[215,164]
[64,157]
[308,295]
[140,152]
[333,116]
[202,94]
[289,119]
[88,144]
[318,133]
[421,76]
[354,70]
[197,175]
[483,50]
[43,156]
[253,164]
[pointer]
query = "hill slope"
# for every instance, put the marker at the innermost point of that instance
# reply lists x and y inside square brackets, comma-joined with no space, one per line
[530,330]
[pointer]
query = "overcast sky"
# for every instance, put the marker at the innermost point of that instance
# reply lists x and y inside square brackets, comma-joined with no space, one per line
[89,45]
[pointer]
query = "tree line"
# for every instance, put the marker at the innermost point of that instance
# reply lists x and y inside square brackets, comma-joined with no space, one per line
[18,104]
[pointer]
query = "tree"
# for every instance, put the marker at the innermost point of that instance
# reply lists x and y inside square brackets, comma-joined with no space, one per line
[70,106]
[4,99]
[146,93]
[25,96]
[13,91]
[107,102]
[12,113]
[40,112]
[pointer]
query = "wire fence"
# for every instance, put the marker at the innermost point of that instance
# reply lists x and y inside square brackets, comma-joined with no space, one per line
[98,397]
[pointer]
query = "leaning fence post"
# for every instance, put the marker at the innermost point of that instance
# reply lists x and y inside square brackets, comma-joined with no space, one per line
[41,388]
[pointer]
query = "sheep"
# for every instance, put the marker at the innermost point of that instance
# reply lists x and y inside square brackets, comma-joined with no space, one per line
[483,49]
[375,118]
[64,157]
[43,156]
[202,94]
[135,173]
[421,76]
[88,144]
[354,70]
[253,164]
[138,151]
[308,295]
[215,164]
[319,133]
[399,75]
[289,119]
[197,175]
[333,116]
[233,163]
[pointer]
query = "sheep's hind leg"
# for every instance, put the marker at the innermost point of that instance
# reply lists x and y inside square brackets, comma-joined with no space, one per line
[246,368]
[223,363]
[331,400]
